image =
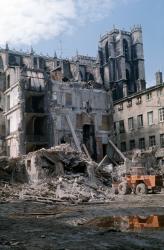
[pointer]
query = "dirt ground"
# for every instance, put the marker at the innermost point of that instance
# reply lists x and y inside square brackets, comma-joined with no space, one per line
[28,225]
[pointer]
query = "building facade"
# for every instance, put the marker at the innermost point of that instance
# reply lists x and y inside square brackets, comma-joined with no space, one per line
[139,120]
[90,112]
[39,93]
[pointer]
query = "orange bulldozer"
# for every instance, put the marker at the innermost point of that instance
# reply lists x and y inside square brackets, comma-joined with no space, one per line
[136,180]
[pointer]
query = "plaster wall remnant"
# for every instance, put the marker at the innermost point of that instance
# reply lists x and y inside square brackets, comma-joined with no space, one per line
[39,91]
[25,102]
[86,108]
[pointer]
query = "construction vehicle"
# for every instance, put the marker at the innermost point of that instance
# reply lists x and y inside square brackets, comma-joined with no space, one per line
[136,180]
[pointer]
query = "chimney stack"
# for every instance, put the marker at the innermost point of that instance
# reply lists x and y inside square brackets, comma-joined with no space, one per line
[158,76]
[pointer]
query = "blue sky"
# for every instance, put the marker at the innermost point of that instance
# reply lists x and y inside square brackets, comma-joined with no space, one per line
[148,13]
[48,25]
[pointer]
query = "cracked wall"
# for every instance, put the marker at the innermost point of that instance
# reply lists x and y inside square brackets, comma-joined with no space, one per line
[90,111]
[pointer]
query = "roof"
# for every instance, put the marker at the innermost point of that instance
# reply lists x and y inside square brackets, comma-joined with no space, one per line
[142,92]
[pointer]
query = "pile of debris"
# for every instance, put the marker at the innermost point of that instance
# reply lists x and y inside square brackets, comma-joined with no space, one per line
[13,170]
[149,159]
[54,162]
[67,188]
[59,174]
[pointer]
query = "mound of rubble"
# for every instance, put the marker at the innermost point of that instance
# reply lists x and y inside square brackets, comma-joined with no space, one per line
[58,174]
[54,161]
[13,170]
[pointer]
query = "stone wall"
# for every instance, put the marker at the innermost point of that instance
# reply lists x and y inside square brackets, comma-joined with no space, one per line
[85,107]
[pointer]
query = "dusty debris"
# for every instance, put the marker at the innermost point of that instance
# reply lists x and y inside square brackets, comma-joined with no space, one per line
[55,162]
[60,174]
[56,175]
[70,188]
[13,170]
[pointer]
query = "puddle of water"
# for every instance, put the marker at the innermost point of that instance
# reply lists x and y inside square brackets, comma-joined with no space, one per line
[128,223]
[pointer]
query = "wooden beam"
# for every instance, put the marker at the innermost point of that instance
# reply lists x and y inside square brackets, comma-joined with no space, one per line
[77,143]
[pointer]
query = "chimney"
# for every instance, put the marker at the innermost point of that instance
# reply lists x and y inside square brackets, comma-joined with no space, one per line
[158,76]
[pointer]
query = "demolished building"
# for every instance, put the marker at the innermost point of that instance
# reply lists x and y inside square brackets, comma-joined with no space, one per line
[46,101]
[45,97]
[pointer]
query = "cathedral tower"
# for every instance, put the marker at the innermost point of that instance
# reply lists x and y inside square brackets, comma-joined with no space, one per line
[122,61]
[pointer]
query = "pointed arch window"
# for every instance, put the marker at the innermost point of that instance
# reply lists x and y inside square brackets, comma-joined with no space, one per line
[107,52]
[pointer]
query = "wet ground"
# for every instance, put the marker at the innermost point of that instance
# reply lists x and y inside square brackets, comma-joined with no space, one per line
[127,222]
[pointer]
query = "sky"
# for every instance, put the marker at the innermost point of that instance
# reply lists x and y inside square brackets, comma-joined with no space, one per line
[68,26]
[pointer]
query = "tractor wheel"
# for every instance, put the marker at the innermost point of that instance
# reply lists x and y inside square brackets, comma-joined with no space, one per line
[141,189]
[123,188]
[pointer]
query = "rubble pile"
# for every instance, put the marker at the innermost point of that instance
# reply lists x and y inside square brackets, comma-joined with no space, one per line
[4,173]
[68,188]
[9,192]
[59,174]
[54,162]
[149,159]
[12,170]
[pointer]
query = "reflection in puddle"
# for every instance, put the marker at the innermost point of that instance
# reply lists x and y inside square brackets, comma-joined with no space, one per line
[129,223]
